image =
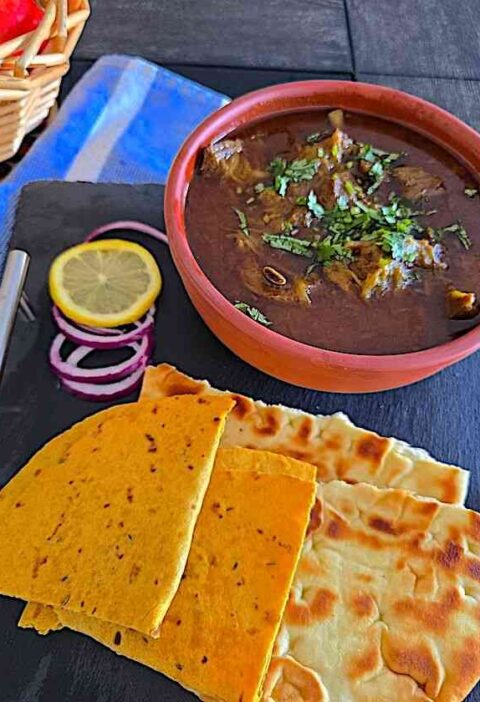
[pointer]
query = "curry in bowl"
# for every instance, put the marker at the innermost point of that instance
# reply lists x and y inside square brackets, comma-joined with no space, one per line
[341,231]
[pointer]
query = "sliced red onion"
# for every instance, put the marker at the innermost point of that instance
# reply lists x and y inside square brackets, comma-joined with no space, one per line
[112,381]
[109,391]
[96,340]
[69,369]
[129,224]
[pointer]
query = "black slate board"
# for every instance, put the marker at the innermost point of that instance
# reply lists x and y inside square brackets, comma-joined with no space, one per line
[441,414]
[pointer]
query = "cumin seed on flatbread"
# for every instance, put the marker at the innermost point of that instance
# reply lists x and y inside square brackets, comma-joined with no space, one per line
[385,604]
[218,634]
[339,449]
[101,519]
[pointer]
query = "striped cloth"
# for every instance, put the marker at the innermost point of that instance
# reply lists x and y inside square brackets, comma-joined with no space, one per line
[123,122]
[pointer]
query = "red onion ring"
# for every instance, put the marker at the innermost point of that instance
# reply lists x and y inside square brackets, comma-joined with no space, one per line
[113,381]
[109,391]
[96,340]
[69,369]
[128,224]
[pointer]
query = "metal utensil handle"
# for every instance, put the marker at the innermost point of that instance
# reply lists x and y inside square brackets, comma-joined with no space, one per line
[10,291]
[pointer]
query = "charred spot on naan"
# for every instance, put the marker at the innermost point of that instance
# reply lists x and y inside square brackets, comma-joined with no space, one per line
[316,517]
[420,661]
[312,605]
[243,406]
[372,449]
[269,421]
[289,681]
[365,664]
[362,605]
[432,615]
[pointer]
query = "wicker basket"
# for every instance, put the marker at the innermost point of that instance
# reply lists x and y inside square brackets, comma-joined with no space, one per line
[31,69]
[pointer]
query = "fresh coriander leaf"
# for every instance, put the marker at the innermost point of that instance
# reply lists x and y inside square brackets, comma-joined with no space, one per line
[294,171]
[327,251]
[470,192]
[377,169]
[314,138]
[349,187]
[366,153]
[314,206]
[281,184]
[335,150]
[342,202]
[277,166]
[457,229]
[299,247]
[301,200]
[242,218]
[253,312]
[309,269]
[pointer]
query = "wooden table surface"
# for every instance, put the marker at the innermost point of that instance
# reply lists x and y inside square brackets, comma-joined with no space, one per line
[426,47]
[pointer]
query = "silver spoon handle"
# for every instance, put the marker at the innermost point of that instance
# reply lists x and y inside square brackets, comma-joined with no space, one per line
[10,292]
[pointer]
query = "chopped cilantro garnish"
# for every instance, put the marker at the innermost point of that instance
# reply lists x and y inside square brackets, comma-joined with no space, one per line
[300,247]
[285,172]
[470,192]
[400,247]
[314,206]
[253,312]
[314,138]
[301,200]
[380,162]
[327,251]
[242,218]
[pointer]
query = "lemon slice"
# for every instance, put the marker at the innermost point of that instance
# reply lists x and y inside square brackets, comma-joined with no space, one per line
[104,283]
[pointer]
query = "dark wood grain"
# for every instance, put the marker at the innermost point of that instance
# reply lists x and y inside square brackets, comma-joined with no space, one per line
[230,81]
[441,414]
[300,34]
[461,97]
[416,37]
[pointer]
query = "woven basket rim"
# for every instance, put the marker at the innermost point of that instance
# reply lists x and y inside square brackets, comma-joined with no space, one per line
[59,29]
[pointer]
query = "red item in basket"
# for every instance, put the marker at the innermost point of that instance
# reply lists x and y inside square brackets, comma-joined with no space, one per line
[18,17]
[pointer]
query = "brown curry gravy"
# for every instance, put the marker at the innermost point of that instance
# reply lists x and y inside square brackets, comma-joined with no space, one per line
[396,321]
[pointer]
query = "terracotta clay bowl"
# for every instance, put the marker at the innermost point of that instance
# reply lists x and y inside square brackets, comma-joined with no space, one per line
[263,348]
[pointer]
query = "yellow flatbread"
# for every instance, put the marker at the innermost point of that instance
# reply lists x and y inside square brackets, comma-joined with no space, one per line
[385,604]
[101,519]
[339,449]
[217,636]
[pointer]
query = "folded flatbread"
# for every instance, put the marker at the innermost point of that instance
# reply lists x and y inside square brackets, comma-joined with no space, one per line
[101,519]
[218,634]
[338,449]
[385,604]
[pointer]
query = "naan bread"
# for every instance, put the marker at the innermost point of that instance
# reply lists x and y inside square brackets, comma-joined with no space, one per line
[338,449]
[385,603]
[218,634]
[101,519]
